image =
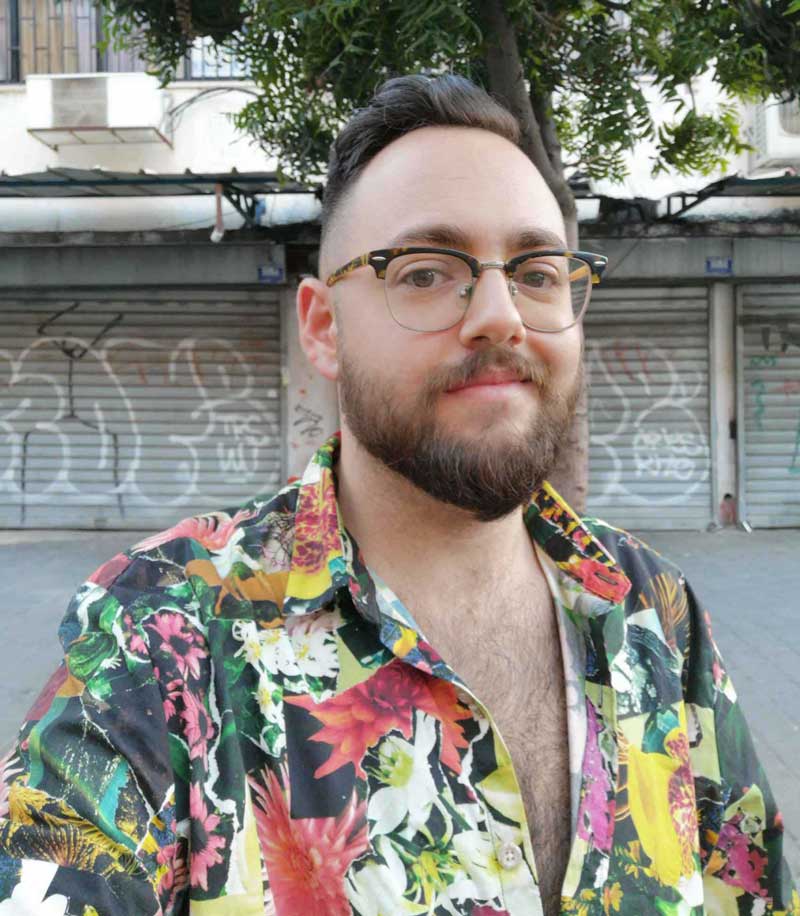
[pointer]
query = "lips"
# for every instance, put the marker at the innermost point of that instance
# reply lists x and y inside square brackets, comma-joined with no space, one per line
[490,378]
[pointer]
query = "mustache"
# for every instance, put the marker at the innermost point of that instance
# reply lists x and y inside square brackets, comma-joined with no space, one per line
[481,361]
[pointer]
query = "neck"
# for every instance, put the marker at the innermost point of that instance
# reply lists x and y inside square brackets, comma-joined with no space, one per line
[402,531]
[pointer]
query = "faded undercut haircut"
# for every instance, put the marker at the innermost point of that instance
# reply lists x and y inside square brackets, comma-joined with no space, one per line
[399,106]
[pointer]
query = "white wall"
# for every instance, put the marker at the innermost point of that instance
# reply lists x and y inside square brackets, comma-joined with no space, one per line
[204,140]
[640,182]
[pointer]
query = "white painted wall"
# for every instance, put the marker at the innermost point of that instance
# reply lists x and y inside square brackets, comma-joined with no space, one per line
[205,140]
[640,181]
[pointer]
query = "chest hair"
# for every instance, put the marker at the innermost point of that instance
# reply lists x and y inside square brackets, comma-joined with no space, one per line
[507,651]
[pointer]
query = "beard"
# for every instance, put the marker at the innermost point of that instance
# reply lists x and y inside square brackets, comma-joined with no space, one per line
[489,477]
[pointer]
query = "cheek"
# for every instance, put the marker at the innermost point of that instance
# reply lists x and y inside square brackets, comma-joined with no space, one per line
[562,353]
[385,356]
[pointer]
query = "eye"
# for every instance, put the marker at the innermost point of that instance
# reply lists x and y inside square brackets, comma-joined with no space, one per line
[530,277]
[422,278]
[425,275]
[540,274]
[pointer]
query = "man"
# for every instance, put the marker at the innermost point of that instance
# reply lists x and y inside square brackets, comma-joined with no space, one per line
[413,681]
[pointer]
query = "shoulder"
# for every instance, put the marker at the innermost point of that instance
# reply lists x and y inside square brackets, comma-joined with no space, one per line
[258,520]
[640,562]
[656,581]
[189,567]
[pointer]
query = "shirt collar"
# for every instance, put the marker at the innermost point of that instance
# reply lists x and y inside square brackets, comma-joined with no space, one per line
[322,559]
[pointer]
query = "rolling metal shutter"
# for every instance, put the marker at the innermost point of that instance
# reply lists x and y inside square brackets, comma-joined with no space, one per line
[647,376]
[768,369]
[135,410]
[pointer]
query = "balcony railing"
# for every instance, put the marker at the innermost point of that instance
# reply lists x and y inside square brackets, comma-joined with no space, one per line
[47,36]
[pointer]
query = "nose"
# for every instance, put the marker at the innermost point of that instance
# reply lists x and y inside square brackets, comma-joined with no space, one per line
[492,317]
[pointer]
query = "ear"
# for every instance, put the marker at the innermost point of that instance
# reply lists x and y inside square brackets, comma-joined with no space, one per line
[317,324]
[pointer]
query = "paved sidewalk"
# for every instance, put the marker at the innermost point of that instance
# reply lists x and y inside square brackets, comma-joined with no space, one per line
[747,582]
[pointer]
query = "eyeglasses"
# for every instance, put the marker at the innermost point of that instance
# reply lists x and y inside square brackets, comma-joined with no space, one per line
[429,289]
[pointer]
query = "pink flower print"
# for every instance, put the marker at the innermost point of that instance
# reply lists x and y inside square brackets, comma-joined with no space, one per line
[173,690]
[358,718]
[213,530]
[198,727]
[595,817]
[308,857]
[184,645]
[110,570]
[195,723]
[316,528]
[204,845]
[176,878]
[136,644]
[737,861]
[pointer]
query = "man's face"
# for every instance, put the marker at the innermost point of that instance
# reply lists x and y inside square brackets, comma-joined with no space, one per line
[428,405]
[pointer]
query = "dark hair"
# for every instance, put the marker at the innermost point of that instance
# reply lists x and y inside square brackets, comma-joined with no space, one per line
[399,106]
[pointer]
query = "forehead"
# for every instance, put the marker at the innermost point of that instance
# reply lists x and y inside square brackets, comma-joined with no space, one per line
[466,178]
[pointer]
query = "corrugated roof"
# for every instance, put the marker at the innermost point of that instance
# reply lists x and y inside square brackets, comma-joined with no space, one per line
[67,182]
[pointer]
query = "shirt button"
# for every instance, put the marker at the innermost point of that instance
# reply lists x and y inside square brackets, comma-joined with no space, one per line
[509,855]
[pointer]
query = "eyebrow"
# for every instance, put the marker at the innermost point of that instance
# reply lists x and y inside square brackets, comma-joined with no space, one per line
[448,235]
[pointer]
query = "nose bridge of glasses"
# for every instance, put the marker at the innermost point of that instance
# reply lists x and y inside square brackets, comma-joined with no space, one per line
[481,266]
[498,265]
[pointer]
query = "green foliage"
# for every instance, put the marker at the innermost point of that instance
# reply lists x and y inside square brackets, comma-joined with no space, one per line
[154,27]
[700,143]
[586,61]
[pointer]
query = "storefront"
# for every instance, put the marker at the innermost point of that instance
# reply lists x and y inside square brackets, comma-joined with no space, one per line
[648,384]
[130,408]
[768,361]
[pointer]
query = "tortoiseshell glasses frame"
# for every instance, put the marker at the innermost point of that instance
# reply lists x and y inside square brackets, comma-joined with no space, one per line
[380,259]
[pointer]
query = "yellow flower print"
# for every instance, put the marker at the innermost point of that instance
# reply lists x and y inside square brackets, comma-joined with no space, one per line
[407,641]
[662,805]
[612,897]
[632,857]
[666,594]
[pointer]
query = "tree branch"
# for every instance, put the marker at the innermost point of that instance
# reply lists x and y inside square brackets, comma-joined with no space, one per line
[542,111]
[507,81]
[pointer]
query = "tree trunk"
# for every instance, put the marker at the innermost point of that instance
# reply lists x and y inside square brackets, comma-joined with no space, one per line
[540,142]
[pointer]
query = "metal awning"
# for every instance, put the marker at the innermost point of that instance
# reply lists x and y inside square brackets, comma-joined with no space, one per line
[733,186]
[783,186]
[239,188]
[63,182]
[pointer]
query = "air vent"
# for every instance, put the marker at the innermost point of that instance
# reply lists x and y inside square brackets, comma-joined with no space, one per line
[789,117]
[776,135]
[90,109]
[80,102]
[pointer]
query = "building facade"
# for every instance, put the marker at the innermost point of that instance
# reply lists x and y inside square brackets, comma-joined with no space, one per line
[148,372]
[693,357]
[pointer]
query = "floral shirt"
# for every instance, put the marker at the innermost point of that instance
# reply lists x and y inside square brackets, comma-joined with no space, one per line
[248,722]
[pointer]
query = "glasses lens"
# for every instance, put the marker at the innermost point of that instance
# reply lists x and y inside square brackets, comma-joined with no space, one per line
[427,292]
[552,291]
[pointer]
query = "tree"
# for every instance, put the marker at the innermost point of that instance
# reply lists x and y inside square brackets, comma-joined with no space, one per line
[572,71]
